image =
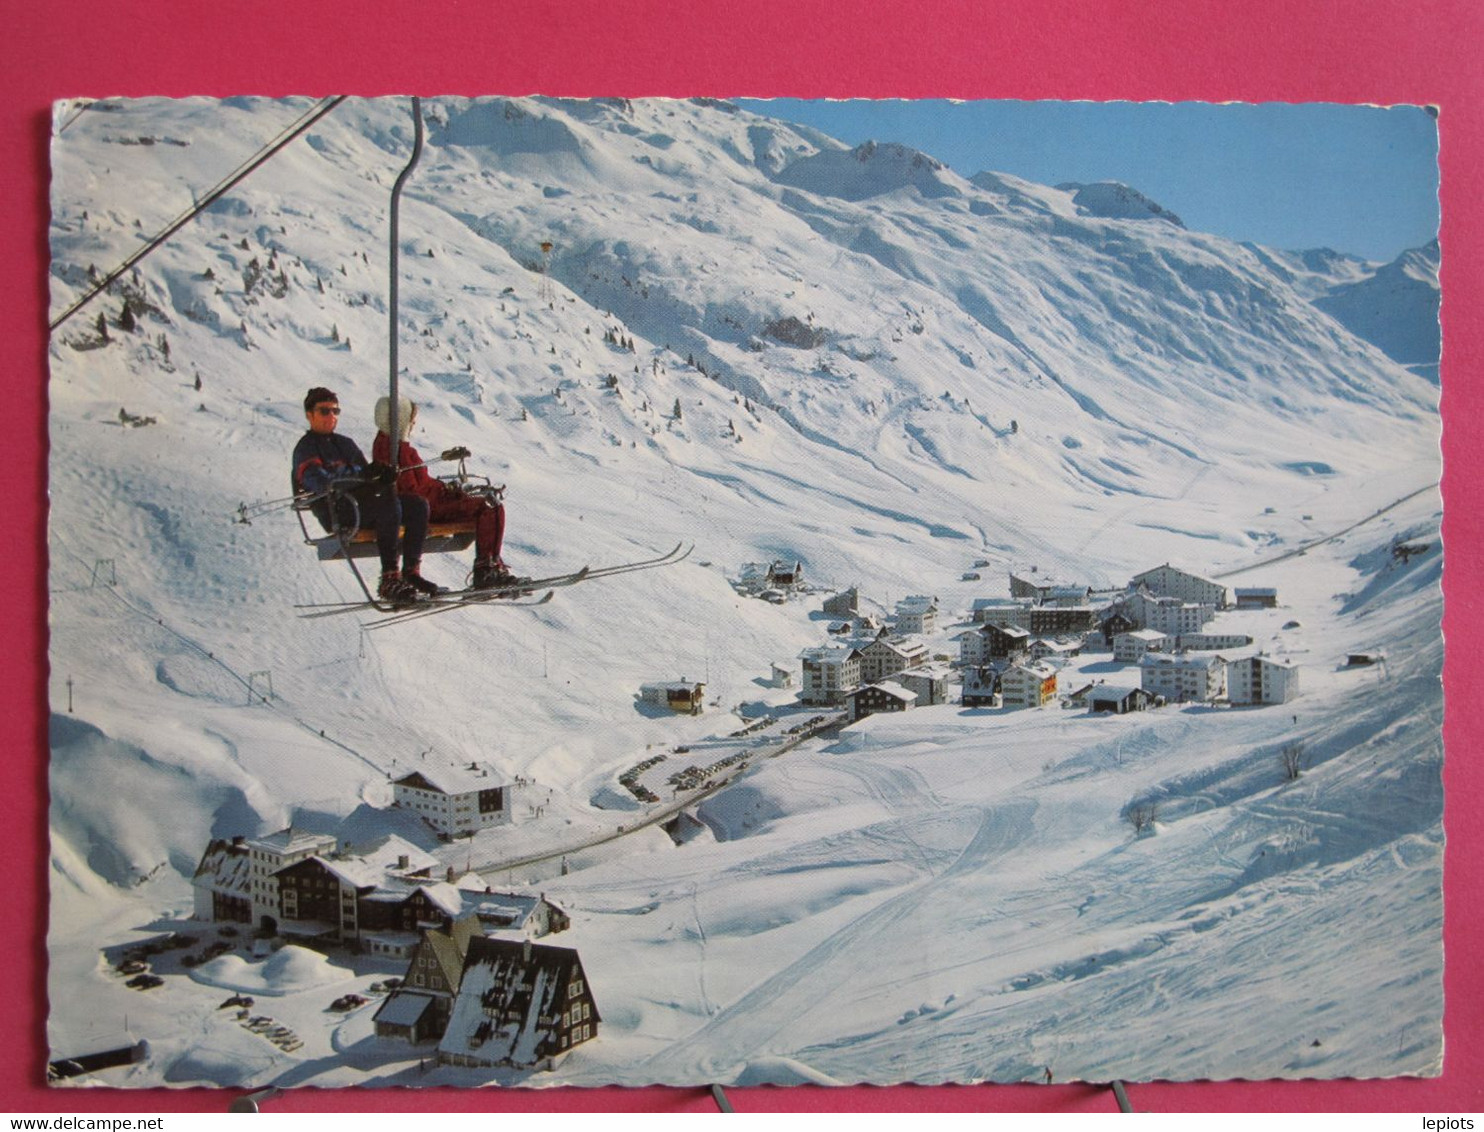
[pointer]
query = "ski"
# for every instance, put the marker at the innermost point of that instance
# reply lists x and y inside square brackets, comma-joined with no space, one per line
[506,595]
[458,599]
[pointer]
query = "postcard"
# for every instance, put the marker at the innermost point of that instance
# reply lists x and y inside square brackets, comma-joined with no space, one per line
[577,592]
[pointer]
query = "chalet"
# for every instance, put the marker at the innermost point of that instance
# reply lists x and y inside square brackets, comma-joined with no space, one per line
[874,698]
[223,882]
[917,615]
[353,902]
[1167,581]
[1028,685]
[981,687]
[1256,598]
[1078,697]
[886,656]
[992,642]
[1117,699]
[1054,651]
[677,695]
[519,1004]
[515,913]
[1129,648]
[829,672]
[1115,621]
[846,604]
[267,855]
[419,1009]
[780,675]
[1261,680]
[1364,659]
[452,799]
[928,681]
[1184,677]
[782,576]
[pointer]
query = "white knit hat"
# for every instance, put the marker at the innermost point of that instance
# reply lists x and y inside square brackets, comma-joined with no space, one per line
[405,409]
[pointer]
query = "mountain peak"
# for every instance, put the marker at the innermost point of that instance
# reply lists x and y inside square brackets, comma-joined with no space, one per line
[1112,200]
[869,170]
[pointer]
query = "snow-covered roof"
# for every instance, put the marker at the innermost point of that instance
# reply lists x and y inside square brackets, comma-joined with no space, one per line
[403,1008]
[507,989]
[1004,631]
[1038,668]
[933,670]
[225,868]
[1111,691]
[1031,576]
[443,896]
[387,856]
[510,910]
[1276,661]
[449,778]
[1180,660]
[1174,570]
[348,870]
[829,654]
[686,686]
[1143,635]
[902,646]
[291,840]
[896,691]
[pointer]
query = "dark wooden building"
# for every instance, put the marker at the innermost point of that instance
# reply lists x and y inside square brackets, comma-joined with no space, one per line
[876,698]
[519,1004]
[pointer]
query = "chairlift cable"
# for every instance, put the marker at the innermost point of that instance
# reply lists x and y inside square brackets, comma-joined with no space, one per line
[313,115]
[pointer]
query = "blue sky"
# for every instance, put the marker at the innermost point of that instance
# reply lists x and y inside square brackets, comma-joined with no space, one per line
[1358,179]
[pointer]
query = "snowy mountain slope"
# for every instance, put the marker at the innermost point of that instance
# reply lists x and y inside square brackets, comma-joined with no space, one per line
[1396,308]
[889,376]
[1393,306]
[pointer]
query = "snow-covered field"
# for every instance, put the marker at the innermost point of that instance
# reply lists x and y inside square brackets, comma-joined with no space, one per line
[881,370]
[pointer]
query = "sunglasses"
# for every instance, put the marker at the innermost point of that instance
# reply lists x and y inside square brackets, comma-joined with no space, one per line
[327,410]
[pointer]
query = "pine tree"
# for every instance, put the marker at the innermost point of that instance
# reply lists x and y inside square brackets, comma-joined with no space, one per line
[126,319]
[678,414]
[103,328]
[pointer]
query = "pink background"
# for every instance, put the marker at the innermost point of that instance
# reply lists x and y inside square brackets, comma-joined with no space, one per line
[1380,51]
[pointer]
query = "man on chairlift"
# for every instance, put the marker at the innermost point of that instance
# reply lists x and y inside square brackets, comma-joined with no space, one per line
[355,491]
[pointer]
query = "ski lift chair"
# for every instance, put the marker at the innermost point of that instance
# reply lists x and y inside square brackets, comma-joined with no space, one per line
[351,541]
